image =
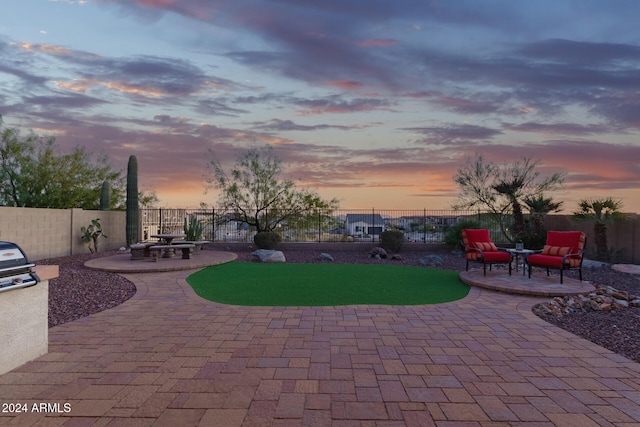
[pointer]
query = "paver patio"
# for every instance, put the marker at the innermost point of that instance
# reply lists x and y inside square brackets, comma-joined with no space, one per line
[167,357]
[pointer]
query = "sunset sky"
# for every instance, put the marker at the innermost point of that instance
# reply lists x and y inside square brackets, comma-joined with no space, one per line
[374,102]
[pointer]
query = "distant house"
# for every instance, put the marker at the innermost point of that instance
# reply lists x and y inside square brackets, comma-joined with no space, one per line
[410,223]
[443,221]
[359,225]
[428,223]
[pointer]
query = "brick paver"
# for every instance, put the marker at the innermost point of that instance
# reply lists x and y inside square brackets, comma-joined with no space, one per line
[167,357]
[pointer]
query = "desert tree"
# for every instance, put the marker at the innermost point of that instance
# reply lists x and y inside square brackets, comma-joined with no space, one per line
[34,173]
[499,188]
[257,192]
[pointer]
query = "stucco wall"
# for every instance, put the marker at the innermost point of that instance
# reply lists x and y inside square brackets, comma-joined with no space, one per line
[49,233]
[24,332]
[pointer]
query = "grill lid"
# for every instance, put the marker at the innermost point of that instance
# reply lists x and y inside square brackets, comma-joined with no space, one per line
[11,255]
[15,270]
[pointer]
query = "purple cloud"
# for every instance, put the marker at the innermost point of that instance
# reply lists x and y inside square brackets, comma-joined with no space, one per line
[455,134]
[559,128]
[278,125]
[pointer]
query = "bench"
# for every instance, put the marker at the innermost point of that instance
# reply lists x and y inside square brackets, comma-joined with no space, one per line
[198,244]
[140,250]
[157,250]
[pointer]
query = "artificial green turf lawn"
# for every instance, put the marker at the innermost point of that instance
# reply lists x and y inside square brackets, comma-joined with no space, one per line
[256,284]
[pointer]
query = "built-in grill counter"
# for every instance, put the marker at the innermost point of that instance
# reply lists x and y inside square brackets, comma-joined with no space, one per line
[24,307]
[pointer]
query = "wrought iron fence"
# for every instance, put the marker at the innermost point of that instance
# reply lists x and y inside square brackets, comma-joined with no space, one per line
[340,225]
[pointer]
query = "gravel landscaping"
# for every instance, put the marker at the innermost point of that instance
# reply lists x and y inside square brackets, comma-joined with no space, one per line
[79,291]
[616,330]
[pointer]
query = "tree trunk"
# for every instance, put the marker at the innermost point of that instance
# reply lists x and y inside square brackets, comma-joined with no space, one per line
[518,219]
[538,237]
[259,228]
[602,250]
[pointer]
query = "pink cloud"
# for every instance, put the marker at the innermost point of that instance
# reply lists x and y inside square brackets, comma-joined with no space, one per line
[377,42]
[346,84]
[418,95]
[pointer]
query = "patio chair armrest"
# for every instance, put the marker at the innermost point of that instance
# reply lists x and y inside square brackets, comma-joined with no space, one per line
[469,248]
[564,257]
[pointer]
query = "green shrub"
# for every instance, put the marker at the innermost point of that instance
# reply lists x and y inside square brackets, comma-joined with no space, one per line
[532,241]
[453,237]
[391,240]
[267,240]
[91,234]
[192,230]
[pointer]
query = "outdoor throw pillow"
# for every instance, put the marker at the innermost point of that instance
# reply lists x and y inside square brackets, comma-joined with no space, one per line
[556,250]
[486,246]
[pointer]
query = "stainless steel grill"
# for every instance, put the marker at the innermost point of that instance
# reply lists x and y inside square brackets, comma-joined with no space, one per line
[15,270]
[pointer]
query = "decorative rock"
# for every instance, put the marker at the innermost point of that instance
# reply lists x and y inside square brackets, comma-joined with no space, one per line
[431,260]
[378,253]
[604,298]
[546,310]
[325,257]
[396,257]
[268,256]
[620,295]
[605,307]
[627,268]
[590,263]
[620,302]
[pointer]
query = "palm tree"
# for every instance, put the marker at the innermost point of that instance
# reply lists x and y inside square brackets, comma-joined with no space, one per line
[511,190]
[539,207]
[515,182]
[601,211]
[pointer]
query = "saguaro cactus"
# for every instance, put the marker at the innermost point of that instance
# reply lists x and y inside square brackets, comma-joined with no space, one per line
[132,201]
[105,197]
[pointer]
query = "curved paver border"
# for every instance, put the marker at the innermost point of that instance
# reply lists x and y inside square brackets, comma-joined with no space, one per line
[538,285]
[122,263]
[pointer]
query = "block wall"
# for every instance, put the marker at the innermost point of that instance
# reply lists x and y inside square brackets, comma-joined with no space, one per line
[50,233]
[113,225]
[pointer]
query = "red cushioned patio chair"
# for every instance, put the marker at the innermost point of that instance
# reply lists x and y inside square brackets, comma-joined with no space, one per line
[478,247]
[564,250]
